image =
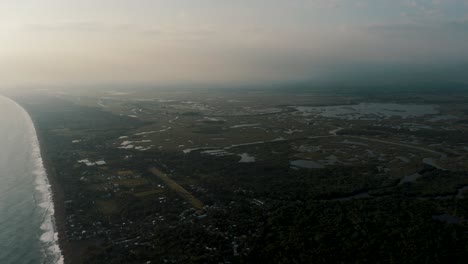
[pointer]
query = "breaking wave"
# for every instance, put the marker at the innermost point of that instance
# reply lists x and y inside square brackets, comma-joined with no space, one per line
[44,199]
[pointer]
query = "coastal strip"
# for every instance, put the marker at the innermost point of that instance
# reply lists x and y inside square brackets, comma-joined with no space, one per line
[49,197]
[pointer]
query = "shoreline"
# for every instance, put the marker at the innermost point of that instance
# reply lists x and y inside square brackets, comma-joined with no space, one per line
[57,199]
[72,252]
[55,189]
[57,193]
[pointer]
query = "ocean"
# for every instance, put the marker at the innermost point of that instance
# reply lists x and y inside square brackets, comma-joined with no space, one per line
[27,230]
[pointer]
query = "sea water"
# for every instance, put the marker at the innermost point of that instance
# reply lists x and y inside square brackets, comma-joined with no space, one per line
[27,229]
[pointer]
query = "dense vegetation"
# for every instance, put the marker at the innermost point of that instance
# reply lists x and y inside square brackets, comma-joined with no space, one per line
[265,212]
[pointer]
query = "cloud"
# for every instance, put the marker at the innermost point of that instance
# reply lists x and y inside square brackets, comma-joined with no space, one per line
[76,26]
[448,28]
[85,27]
[164,41]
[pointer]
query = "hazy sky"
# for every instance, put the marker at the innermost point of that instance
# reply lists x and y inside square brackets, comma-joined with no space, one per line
[223,41]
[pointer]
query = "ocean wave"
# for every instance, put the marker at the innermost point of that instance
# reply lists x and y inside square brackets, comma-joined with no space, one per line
[44,199]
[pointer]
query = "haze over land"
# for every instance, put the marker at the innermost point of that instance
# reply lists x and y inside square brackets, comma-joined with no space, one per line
[342,42]
[223,131]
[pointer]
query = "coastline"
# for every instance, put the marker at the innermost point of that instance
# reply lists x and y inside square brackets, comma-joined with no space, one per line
[57,194]
[72,252]
[58,200]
